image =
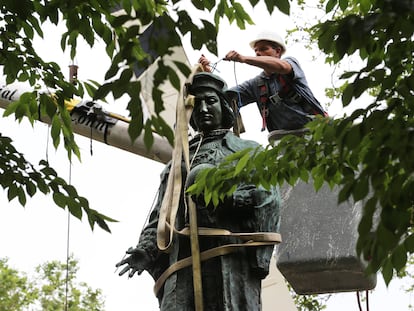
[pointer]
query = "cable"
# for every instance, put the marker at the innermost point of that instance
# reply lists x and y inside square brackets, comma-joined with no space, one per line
[366,300]
[239,104]
[359,301]
[213,66]
[47,143]
[67,247]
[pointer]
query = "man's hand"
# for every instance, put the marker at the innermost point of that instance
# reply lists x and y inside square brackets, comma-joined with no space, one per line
[137,261]
[205,63]
[234,56]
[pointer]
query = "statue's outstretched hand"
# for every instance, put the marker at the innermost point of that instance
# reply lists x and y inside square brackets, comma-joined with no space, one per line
[136,262]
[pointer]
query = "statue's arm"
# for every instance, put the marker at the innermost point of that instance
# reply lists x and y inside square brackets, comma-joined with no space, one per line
[146,253]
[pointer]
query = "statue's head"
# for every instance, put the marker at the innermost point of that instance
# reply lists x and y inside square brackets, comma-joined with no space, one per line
[212,108]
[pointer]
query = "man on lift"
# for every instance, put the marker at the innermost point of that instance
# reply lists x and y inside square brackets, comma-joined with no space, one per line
[281,91]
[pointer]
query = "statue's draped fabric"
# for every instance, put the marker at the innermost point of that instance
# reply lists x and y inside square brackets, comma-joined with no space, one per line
[231,282]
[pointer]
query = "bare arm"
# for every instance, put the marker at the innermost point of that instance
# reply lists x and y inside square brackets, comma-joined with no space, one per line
[269,64]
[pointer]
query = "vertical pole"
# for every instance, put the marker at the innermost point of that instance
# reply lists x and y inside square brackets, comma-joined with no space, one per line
[73,74]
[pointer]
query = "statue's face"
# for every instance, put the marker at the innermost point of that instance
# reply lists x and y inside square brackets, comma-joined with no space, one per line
[207,114]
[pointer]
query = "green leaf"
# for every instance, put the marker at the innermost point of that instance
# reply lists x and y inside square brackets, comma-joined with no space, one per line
[353,138]
[330,5]
[75,209]
[174,79]
[28,30]
[59,199]
[241,164]
[347,95]
[90,89]
[365,5]
[348,74]
[103,90]
[22,196]
[387,271]
[241,15]
[387,238]
[361,188]
[12,192]
[343,4]
[30,188]
[120,20]
[399,257]
[70,190]
[282,5]
[345,192]
[409,243]
[207,196]
[55,130]
[148,136]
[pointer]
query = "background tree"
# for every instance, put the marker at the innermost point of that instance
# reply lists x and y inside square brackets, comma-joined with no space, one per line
[46,290]
[17,292]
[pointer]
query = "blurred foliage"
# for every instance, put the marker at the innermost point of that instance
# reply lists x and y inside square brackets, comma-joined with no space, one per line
[46,289]
[308,302]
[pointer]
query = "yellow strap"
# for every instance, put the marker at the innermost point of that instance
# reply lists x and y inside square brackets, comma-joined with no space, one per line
[171,199]
[255,236]
[214,252]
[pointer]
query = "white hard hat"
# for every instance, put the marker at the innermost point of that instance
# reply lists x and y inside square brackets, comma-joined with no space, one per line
[269,36]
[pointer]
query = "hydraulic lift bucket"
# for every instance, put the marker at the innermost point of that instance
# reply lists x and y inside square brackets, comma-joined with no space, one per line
[318,252]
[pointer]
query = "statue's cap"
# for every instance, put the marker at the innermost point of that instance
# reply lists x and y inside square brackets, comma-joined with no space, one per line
[208,80]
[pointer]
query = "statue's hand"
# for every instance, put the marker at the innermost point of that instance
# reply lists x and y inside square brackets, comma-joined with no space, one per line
[136,262]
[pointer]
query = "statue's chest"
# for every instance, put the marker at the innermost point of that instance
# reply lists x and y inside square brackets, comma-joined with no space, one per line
[210,152]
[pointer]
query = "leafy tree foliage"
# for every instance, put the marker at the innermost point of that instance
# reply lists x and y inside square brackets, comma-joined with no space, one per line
[16,291]
[20,178]
[369,153]
[46,290]
[308,302]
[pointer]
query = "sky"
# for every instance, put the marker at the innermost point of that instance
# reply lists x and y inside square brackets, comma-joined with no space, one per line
[123,185]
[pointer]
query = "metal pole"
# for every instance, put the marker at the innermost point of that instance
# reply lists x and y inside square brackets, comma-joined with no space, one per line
[87,121]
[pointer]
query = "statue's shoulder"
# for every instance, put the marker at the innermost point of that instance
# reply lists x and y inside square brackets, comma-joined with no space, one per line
[236,143]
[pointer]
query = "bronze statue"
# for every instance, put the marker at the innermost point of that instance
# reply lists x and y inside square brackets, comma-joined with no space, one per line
[231,281]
